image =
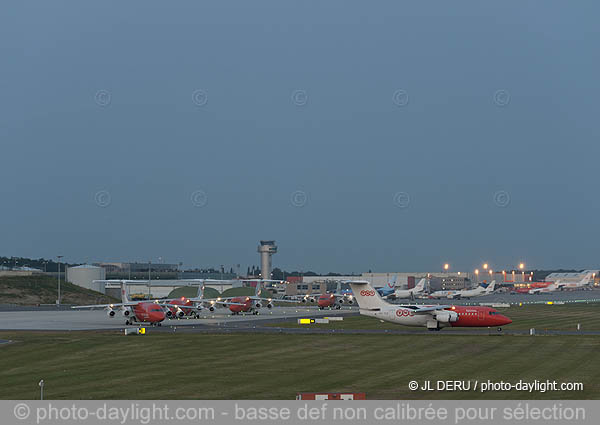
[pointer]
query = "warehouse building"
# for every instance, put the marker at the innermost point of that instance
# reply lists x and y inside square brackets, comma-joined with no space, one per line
[85,275]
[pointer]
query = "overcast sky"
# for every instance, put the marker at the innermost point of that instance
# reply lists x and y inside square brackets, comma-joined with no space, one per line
[387,135]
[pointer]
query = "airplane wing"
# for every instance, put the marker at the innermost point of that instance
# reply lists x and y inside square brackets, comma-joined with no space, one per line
[107,305]
[429,309]
[273,300]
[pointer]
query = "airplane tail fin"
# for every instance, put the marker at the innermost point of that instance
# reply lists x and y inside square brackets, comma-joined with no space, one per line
[124,298]
[200,293]
[491,287]
[392,283]
[258,289]
[366,296]
[420,287]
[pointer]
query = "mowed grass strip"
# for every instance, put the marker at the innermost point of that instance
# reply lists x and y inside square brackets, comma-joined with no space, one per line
[539,316]
[103,365]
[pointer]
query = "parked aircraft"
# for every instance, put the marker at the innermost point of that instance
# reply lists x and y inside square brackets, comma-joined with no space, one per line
[133,311]
[433,317]
[190,307]
[335,299]
[550,288]
[409,293]
[250,304]
[477,292]
[443,294]
[389,288]
[575,285]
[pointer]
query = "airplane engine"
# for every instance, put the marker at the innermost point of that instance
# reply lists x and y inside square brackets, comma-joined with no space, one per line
[110,313]
[169,313]
[125,312]
[180,314]
[350,301]
[446,316]
[269,305]
[303,300]
[341,301]
[258,305]
[211,308]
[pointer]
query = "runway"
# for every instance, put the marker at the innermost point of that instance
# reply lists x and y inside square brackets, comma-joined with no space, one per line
[51,318]
[592,296]
[80,320]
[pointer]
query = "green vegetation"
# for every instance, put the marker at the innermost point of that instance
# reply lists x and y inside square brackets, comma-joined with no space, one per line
[43,289]
[107,365]
[538,316]
[240,292]
[191,292]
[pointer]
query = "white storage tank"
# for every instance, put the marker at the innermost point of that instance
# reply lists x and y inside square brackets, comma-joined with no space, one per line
[85,275]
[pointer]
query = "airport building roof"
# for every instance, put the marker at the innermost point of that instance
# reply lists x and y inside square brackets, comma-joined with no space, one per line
[85,266]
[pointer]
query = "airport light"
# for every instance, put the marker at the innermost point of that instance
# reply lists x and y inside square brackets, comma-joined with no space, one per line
[521,266]
[491,272]
[485,266]
[446,266]
[59,257]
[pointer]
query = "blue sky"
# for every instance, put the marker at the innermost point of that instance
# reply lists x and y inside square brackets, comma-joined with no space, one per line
[390,136]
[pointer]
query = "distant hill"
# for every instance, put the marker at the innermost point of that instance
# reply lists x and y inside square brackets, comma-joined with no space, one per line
[42,289]
[190,291]
[238,292]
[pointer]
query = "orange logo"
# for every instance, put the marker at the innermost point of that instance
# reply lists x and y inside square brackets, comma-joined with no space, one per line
[366,293]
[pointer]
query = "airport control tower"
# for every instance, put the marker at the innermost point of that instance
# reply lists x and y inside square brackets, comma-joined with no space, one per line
[266,249]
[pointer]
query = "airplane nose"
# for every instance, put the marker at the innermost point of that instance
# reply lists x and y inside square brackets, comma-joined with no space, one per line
[506,320]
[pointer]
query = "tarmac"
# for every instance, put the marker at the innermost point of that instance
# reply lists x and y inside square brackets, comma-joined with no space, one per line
[52,318]
[81,320]
[569,296]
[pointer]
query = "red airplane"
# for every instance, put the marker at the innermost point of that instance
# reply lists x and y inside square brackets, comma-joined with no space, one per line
[434,317]
[250,304]
[530,286]
[133,311]
[336,299]
[190,307]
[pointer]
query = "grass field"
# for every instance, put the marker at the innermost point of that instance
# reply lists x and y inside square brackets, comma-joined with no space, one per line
[106,365]
[538,316]
[43,289]
[81,365]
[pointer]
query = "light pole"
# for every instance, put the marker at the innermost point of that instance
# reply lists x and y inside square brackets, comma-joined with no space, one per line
[477,275]
[41,384]
[59,257]
[522,268]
